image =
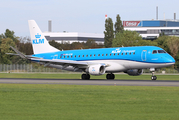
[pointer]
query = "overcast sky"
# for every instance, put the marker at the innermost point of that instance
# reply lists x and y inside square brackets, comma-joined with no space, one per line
[79,15]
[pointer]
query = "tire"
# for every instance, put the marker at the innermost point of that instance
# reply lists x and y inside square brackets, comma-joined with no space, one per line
[83,76]
[110,76]
[154,77]
[87,76]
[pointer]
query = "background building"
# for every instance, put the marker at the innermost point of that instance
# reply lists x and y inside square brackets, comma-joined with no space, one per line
[148,29]
[70,37]
[151,29]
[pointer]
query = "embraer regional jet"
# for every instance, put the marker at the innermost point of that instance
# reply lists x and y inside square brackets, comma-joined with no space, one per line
[130,60]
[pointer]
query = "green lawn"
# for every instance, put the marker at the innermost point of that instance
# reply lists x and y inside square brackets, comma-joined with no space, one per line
[78,102]
[78,76]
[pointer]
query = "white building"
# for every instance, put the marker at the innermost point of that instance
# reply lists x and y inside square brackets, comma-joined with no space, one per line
[73,37]
[151,29]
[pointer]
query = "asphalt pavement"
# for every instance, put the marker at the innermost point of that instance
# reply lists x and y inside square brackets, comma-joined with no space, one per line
[91,82]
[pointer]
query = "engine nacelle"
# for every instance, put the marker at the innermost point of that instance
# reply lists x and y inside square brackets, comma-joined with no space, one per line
[134,72]
[96,69]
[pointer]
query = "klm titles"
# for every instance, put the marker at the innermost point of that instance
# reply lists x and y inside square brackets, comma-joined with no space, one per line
[38,41]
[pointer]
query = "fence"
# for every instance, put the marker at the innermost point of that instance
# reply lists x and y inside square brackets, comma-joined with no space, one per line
[26,68]
[17,68]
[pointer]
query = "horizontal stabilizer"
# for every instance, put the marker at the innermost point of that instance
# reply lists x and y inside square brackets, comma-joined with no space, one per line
[18,53]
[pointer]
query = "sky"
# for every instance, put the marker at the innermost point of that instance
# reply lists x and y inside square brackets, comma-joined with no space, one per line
[84,16]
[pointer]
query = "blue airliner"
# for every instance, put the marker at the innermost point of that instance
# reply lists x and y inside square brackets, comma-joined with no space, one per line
[130,60]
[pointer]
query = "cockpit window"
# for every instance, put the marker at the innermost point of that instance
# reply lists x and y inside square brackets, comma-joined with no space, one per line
[154,52]
[161,51]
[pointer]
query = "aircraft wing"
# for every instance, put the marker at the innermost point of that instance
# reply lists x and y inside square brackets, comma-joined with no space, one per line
[69,62]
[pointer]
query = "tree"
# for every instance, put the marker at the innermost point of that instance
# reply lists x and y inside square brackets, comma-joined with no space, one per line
[24,45]
[109,33]
[173,44]
[90,44]
[9,34]
[126,38]
[5,48]
[162,42]
[118,25]
[177,60]
[55,44]
[146,43]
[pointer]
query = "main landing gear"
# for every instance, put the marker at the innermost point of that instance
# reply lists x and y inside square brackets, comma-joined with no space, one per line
[85,76]
[110,76]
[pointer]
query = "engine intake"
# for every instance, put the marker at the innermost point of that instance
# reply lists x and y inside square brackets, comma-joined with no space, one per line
[96,69]
[134,72]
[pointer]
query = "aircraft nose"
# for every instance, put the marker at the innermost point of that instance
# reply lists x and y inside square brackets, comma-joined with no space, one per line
[170,59]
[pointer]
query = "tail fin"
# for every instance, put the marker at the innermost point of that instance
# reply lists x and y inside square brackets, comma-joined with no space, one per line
[39,42]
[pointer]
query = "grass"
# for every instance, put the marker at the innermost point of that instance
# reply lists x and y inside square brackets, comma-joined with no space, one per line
[77,102]
[78,76]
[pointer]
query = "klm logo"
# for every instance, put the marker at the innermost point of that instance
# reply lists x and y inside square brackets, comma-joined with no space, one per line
[38,40]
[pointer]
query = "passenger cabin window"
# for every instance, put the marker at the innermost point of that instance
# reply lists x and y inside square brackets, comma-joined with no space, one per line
[86,55]
[121,53]
[133,53]
[114,54]
[83,55]
[161,51]
[98,54]
[125,53]
[106,54]
[130,53]
[118,54]
[154,52]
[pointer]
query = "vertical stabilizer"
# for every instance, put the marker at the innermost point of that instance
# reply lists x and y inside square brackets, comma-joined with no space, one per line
[39,42]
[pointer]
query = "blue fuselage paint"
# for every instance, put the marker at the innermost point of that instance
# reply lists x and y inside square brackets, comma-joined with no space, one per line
[139,54]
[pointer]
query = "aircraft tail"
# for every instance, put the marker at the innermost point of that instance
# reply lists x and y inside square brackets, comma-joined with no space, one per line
[39,42]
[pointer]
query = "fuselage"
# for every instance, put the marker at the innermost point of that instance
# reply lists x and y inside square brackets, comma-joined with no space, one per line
[119,59]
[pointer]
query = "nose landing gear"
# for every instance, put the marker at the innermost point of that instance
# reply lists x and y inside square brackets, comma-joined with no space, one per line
[153,77]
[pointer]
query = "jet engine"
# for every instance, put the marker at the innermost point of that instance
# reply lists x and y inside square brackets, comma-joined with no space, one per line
[134,72]
[96,69]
